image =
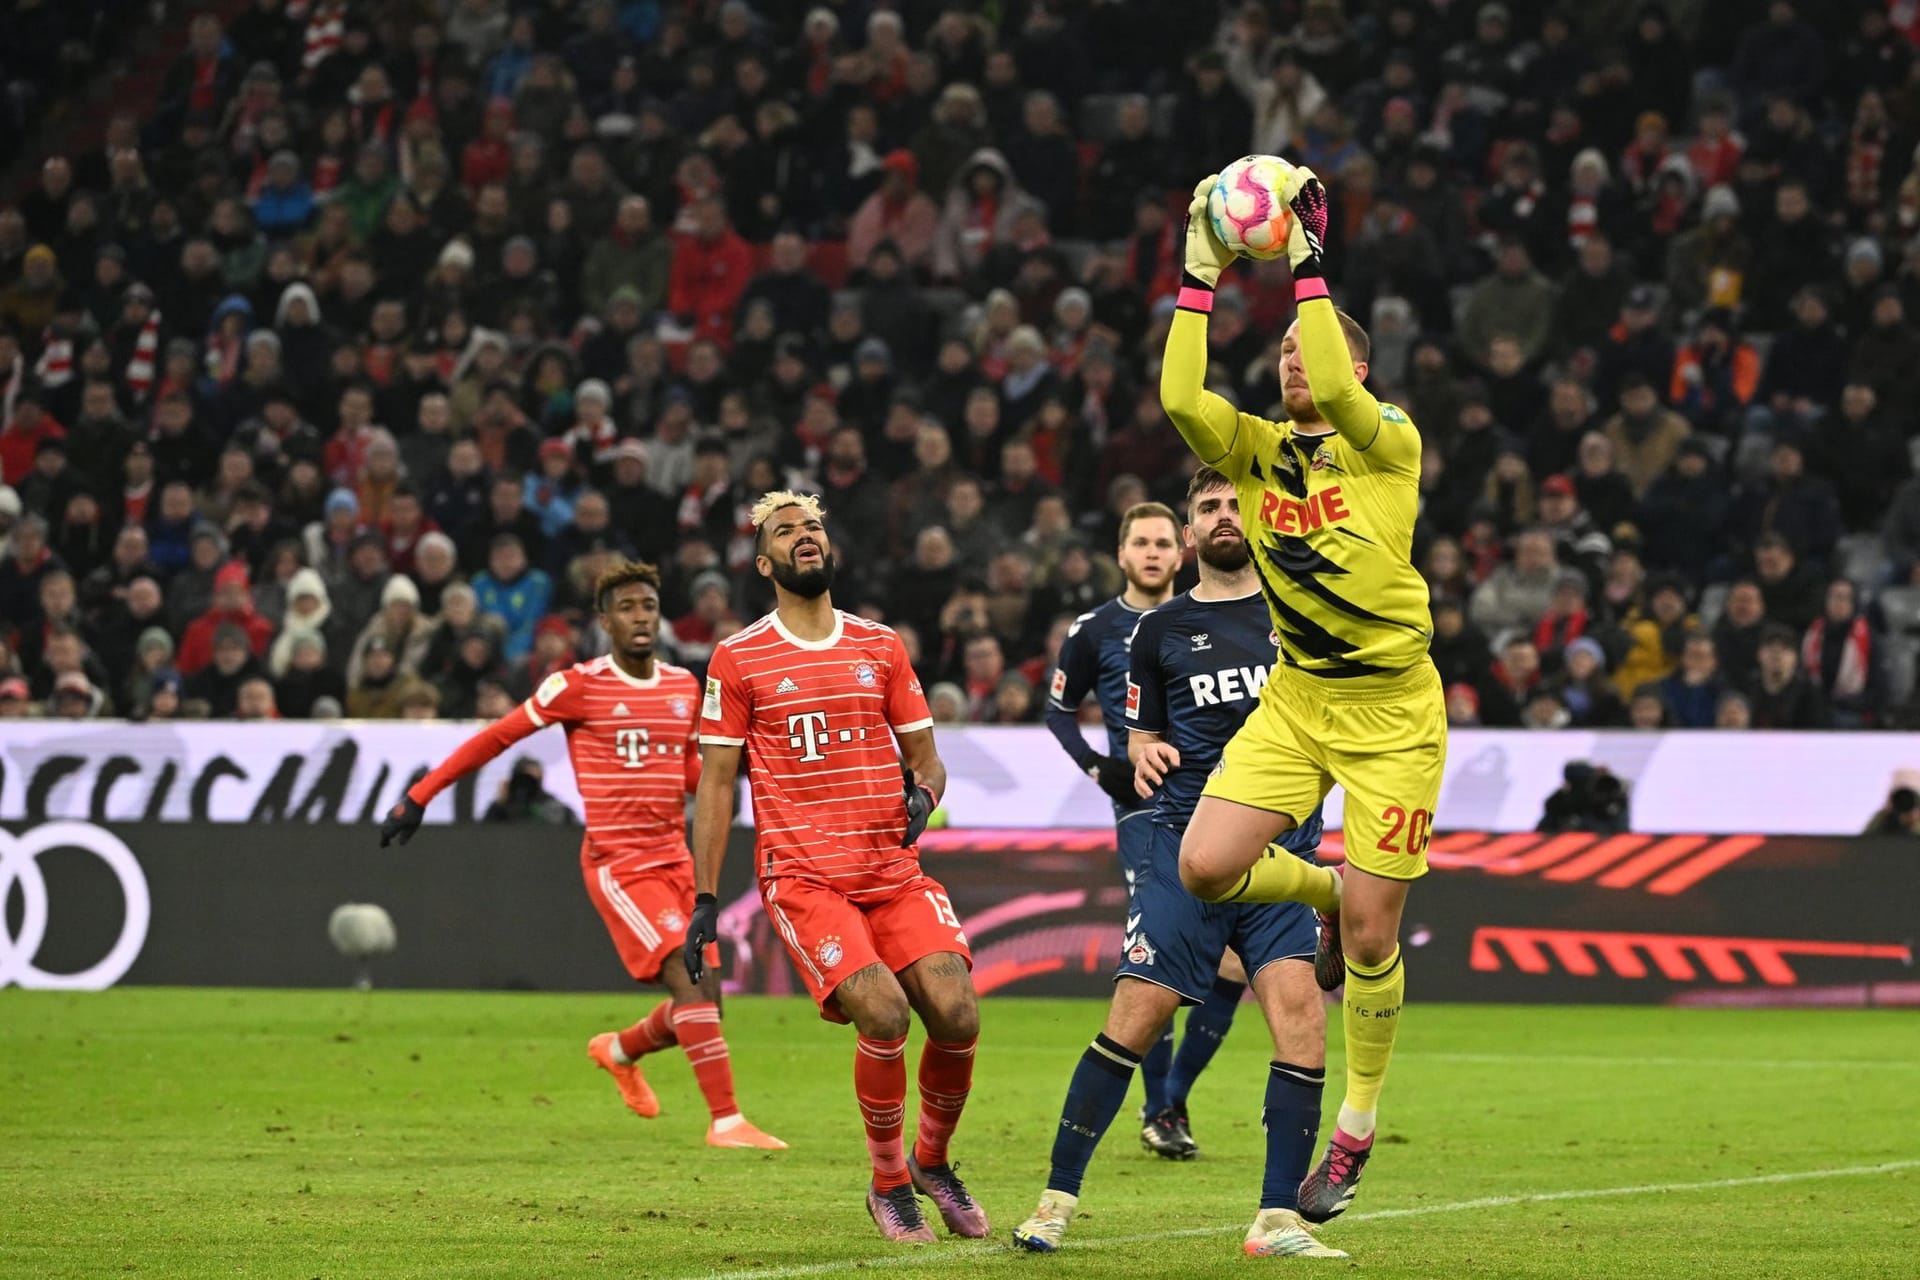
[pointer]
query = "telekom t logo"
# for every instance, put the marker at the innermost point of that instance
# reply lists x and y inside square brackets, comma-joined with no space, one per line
[631,746]
[808,730]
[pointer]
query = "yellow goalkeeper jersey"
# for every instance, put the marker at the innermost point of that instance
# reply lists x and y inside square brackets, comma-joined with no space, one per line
[1329,517]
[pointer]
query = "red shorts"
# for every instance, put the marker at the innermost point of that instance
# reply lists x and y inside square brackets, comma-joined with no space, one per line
[646,911]
[831,937]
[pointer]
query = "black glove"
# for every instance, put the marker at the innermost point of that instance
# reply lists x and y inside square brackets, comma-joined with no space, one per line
[702,931]
[920,807]
[402,821]
[1116,779]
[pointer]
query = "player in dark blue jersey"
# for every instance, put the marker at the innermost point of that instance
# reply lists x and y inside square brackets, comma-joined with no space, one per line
[1197,667]
[1093,660]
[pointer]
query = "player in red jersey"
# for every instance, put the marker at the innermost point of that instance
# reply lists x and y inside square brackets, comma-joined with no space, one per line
[815,699]
[631,731]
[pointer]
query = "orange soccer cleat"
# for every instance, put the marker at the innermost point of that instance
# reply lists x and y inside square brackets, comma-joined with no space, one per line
[743,1133]
[634,1089]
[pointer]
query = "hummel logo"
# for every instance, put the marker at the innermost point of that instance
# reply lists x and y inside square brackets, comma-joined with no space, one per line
[786,686]
[1133,922]
[1201,642]
[620,709]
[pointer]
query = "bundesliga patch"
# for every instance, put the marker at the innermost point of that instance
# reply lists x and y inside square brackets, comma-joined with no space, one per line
[828,953]
[864,676]
[1133,701]
[711,710]
[1059,683]
[550,688]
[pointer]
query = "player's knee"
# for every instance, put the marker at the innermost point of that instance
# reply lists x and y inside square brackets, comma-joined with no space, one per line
[1367,941]
[884,1019]
[954,1019]
[1201,877]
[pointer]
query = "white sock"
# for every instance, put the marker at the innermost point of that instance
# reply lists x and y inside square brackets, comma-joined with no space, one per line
[618,1054]
[725,1123]
[1355,1124]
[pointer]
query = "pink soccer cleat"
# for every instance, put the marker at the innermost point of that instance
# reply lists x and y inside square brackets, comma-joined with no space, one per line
[958,1209]
[898,1214]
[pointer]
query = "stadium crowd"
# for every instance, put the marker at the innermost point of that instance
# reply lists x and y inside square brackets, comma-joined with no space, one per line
[332,377]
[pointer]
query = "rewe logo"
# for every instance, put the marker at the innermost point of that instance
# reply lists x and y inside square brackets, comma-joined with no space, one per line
[1230,685]
[1295,516]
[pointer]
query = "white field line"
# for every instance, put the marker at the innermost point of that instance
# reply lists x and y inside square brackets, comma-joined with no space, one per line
[961,1253]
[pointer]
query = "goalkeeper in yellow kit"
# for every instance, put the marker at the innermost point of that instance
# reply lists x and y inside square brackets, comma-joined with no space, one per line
[1329,499]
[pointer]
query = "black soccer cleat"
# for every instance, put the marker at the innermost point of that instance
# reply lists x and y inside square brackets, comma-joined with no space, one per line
[1329,961]
[1167,1135]
[1328,1190]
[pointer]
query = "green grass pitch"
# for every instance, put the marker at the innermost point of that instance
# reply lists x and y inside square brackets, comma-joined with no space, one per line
[268,1133]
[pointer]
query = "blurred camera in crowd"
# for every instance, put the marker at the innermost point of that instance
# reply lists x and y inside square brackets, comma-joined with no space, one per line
[1899,816]
[1590,798]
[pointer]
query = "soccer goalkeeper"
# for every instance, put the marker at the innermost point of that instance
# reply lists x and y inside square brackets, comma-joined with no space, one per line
[1330,496]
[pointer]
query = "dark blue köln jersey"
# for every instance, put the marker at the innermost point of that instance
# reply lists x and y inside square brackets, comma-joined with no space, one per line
[1093,658]
[1195,673]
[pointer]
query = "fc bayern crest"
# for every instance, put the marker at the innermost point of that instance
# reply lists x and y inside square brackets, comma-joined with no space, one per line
[864,674]
[828,953]
[679,707]
[672,921]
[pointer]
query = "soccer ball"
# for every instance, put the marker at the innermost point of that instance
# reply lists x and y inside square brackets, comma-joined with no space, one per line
[1249,213]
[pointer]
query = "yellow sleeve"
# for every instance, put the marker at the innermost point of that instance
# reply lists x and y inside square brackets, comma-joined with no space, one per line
[1210,425]
[1386,441]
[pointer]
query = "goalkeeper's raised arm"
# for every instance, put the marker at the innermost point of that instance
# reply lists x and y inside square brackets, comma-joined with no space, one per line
[1209,424]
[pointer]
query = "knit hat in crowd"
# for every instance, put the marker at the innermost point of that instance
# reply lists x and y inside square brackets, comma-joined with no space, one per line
[1591,647]
[400,587]
[343,499]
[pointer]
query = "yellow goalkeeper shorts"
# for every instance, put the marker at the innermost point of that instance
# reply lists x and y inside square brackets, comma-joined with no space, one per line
[1383,738]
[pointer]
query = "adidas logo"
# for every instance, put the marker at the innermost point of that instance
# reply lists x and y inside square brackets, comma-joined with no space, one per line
[620,709]
[786,686]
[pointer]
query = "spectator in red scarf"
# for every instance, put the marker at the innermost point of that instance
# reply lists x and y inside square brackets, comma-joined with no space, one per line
[232,603]
[1843,657]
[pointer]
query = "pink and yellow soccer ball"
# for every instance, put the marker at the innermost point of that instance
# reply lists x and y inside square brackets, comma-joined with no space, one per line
[1249,209]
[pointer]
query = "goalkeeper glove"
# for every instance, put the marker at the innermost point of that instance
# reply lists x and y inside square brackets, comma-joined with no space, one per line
[1116,779]
[920,807]
[1206,257]
[702,932]
[402,821]
[1307,197]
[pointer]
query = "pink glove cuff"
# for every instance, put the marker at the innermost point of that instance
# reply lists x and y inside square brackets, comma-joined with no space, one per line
[1309,287]
[1193,299]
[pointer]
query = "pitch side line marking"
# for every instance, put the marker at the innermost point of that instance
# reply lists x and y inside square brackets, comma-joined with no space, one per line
[961,1253]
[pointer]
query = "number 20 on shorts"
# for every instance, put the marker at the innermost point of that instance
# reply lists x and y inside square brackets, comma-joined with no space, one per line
[1416,826]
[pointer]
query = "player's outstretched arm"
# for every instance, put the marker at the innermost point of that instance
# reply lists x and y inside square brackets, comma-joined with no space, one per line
[1341,398]
[404,818]
[1207,423]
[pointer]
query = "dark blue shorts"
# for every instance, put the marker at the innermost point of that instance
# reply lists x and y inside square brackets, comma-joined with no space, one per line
[1174,940]
[1133,833]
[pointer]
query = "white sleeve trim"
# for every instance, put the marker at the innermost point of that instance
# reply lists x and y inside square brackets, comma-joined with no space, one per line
[533,715]
[915,726]
[708,740]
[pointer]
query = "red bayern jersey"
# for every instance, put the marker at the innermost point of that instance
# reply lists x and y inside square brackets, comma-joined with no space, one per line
[817,721]
[635,750]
